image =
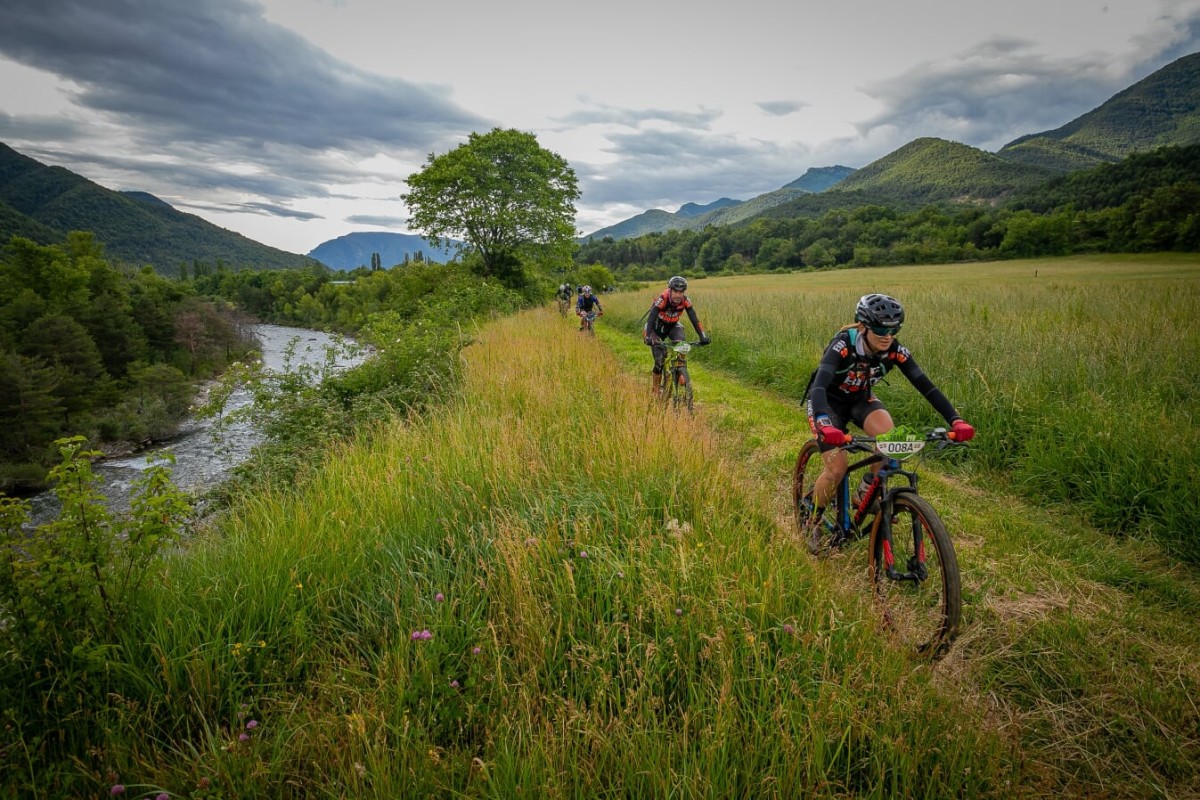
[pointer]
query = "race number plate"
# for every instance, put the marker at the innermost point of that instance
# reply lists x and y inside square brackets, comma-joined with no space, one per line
[897,449]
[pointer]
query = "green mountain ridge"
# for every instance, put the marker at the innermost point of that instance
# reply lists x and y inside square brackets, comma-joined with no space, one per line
[44,203]
[1159,110]
[930,170]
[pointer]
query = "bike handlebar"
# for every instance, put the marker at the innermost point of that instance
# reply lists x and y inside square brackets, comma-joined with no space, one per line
[864,443]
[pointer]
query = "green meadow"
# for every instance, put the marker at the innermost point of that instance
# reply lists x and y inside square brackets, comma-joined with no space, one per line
[547,587]
[1078,372]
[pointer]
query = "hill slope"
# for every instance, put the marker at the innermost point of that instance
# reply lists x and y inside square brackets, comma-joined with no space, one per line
[1161,109]
[45,203]
[929,170]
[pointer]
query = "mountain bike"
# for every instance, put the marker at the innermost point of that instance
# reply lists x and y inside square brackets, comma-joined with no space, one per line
[588,322]
[914,572]
[677,383]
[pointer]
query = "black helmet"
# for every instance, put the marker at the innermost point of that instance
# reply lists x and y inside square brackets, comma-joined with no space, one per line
[678,283]
[879,311]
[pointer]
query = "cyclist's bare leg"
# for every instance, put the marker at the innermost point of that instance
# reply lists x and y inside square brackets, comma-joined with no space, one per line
[877,423]
[835,467]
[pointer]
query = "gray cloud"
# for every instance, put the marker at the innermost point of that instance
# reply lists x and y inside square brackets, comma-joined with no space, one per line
[214,83]
[1003,89]
[278,211]
[376,220]
[781,108]
[601,114]
[40,128]
[664,169]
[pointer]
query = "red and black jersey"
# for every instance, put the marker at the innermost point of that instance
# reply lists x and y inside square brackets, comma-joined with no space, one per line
[664,314]
[848,371]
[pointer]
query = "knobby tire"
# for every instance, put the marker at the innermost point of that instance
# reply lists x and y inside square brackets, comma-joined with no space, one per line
[923,615]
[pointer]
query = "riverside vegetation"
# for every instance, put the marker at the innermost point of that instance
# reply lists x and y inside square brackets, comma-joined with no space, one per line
[459,602]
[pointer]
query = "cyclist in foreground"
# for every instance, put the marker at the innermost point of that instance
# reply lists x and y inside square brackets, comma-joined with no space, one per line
[586,304]
[663,323]
[840,392]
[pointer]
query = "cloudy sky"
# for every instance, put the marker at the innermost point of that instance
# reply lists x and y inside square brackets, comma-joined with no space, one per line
[296,121]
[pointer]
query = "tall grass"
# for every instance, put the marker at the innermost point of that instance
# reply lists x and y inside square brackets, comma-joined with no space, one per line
[544,589]
[1077,372]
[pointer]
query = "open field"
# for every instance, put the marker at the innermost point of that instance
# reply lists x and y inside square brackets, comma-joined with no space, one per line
[1078,372]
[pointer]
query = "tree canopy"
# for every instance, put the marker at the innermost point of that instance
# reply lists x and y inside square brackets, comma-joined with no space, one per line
[500,193]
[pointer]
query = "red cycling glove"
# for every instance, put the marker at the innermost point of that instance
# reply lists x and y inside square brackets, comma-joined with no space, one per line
[831,435]
[962,431]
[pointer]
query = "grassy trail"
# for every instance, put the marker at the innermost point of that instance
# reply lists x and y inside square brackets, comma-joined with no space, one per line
[1083,647]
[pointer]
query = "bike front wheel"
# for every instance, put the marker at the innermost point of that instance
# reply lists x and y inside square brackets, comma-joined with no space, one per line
[915,576]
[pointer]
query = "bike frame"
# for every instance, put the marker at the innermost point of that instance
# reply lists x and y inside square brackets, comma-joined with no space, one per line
[848,527]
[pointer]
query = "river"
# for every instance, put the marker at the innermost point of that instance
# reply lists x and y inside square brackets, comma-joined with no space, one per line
[203,457]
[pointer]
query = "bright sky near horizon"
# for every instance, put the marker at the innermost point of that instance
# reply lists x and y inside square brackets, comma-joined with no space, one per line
[294,122]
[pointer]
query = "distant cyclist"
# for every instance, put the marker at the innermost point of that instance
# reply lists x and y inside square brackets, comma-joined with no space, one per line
[587,304]
[840,391]
[563,297]
[663,323]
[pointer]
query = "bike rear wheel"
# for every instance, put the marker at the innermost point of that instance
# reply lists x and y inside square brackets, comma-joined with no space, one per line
[915,576]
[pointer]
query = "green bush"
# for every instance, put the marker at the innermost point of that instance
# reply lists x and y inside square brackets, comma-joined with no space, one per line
[67,589]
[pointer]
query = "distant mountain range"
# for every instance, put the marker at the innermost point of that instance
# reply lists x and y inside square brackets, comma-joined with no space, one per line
[1162,109]
[355,250]
[44,203]
[725,211]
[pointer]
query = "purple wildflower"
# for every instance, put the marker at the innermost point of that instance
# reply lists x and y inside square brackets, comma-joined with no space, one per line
[425,634]
[788,629]
[477,650]
[454,684]
[118,789]
[243,737]
[583,553]
[252,724]
[162,796]
[679,612]
[439,597]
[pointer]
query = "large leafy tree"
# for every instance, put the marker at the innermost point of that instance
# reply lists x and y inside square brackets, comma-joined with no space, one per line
[503,195]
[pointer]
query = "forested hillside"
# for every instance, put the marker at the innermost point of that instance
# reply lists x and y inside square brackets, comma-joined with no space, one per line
[1148,202]
[44,203]
[930,170]
[88,349]
[1162,109]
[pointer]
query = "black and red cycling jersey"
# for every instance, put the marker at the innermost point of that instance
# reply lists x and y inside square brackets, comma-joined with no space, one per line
[665,314]
[848,371]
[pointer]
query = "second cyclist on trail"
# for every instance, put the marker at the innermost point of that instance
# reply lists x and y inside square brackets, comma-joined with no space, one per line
[663,323]
[587,303]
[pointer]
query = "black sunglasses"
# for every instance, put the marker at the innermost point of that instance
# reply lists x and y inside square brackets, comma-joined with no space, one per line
[885,331]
